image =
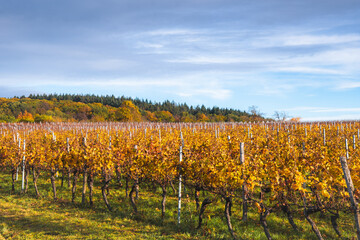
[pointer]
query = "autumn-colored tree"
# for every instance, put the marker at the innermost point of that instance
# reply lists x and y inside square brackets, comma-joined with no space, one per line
[42,106]
[200,117]
[123,114]
[99,111]
[150,116]
[97,118]
[43,118]
[25,117]
[187,117]
[128,112]
[164,116]
[219,118]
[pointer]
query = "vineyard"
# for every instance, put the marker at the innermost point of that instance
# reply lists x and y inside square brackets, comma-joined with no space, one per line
[267,167]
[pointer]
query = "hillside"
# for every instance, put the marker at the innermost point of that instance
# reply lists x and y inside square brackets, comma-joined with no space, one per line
[67,107]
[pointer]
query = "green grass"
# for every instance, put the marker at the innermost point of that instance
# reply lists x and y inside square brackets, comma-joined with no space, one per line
[22,216]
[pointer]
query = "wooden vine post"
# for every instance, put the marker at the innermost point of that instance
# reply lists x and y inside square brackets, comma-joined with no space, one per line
[68,152]
[53,172]
[351,189]
[83,198]
[17,168]
[23,169]
[244,187]
[179,201]
[354,142]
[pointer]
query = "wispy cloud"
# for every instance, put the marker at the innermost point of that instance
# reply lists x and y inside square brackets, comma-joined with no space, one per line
[207,60]
[322,109]
[149,45]
[268,50]
[311,70]
[324,113]
[281,40]
[347,57]
[337,110]
[344,85]
[189,86]
[319,39]
[301,108]
[173,31]
[337,117]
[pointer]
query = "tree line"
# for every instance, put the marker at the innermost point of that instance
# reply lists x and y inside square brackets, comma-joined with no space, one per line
[76,107]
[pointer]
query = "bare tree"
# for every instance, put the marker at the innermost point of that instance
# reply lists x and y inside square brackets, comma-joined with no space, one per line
[255,112]
[280,116]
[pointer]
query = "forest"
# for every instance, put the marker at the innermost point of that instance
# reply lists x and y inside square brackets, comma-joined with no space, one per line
[93,108]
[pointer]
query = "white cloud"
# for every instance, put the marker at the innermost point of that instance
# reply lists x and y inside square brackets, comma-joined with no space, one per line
[149,45]
[312,70]
[321,109]
[330,110]
[207,60]
[301,108]
[172,31]
[319,40]
[332,118]
[325,113]
[205,85]
[344,56]
[344,85]
[261,55]
[278,39]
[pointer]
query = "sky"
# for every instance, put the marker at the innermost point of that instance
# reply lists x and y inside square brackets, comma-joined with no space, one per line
[298,57]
